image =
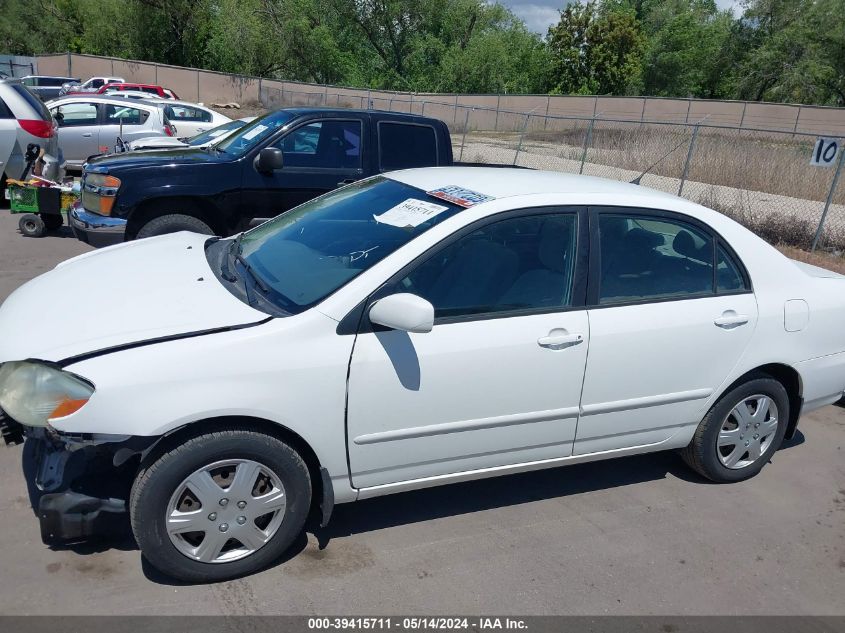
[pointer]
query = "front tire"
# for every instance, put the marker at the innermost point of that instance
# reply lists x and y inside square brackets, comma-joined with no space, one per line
[220,505]
[741,432]
[173,223]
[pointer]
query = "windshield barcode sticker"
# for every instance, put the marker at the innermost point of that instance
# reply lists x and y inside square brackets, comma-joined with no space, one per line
[410,214]
[460,196]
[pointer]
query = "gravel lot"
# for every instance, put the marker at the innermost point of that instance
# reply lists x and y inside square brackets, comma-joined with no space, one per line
[638,535]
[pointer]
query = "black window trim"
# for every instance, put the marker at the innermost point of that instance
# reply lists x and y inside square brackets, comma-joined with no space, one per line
[356,321]
[594,281]
[381,168]
[276,138]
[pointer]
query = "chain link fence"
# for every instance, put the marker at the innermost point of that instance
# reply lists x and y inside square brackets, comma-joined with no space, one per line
[760,177]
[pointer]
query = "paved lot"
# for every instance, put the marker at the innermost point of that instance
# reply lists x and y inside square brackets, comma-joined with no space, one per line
[636,535]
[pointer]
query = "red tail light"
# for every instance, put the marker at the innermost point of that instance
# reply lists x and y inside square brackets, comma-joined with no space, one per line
[36,127]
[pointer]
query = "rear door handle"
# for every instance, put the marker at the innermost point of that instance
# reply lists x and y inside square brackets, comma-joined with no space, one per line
[731,319]
[87,135]
[559,339]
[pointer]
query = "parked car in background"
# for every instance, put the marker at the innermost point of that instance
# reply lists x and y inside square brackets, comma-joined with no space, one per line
[190,119]
[45,87]
[90,125]
[203,139]
[419,328]
[266,167]
[152,89]
[92,85]
[24,119]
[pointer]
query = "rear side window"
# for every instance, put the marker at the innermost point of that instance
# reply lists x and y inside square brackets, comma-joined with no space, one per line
[117,114]
[652,258]
[33,101]
[729,277]
[404,145]
[186,113]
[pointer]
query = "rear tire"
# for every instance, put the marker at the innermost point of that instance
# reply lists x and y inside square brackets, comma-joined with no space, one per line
[173,223]
[31,225]
[741,432]
[162,491]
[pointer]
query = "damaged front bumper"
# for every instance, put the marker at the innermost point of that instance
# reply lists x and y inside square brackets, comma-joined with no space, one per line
[81,482]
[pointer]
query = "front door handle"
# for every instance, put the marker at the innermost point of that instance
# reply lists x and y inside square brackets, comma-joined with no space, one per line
[730,320]
[559,339]
[87,135]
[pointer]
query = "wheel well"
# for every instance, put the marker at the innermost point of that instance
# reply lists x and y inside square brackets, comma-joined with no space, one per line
[791,381]
[149,209]
[260,425]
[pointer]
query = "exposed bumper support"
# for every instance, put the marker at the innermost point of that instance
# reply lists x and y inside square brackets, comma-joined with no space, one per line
[79,501]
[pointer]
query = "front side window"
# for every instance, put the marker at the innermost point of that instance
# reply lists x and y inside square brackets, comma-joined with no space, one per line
[404,146]
[304,255]
[524,263]
[323,144]
[652,258]
[75,114]
[97,83]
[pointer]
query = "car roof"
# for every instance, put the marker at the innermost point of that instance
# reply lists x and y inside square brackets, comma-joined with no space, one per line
[99,98]
[49,77]
[507,182]
[129,84]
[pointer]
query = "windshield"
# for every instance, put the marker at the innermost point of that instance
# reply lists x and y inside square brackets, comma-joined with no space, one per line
[304,255]
[253,133]
[216,133]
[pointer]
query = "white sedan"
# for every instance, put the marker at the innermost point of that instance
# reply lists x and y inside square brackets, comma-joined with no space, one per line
[414,329]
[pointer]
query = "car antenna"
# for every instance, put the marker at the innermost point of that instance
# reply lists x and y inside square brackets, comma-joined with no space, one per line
[636,181]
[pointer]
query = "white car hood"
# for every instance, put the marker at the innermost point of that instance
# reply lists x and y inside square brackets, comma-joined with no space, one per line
[128,293]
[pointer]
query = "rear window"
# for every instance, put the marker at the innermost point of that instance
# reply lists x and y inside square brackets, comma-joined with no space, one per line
[405,145]
[51,81]
[33,101]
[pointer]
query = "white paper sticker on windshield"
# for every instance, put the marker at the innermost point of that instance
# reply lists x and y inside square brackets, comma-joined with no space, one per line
[217,133]
[258,129]
[410,214]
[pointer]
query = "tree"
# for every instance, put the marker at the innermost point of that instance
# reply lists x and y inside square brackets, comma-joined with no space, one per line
[685,55]
[595,49]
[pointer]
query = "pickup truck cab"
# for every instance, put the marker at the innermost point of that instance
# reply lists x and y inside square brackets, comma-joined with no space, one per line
[269,166]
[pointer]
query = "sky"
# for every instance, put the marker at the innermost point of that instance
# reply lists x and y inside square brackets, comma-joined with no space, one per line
[540,14]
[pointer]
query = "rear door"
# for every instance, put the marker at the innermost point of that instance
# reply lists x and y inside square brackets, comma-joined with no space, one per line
[319,155]
[127,121]
[667,326]
[79,129]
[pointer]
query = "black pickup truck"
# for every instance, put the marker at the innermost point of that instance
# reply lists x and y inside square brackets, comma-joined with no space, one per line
[270,165]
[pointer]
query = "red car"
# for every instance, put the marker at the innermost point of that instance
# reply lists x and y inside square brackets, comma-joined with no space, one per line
[154,90]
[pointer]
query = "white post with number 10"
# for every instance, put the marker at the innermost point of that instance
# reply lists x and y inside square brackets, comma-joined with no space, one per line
[825,151]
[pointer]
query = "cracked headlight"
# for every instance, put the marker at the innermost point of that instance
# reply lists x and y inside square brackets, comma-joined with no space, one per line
[34,393]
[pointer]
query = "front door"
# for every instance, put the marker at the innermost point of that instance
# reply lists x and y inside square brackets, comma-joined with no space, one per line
[665,330]
[498,380]
[318,156]
[78,130]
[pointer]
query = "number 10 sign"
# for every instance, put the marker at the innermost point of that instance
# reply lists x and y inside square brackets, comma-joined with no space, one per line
[825,151]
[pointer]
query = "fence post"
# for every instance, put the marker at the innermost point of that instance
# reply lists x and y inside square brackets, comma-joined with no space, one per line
[742,118]
[496,124]
[689,105]
[546,119]
[829,199]
[464,139]
[797,117]
[689,158]
[521,136]
[587,140]
[422,112]
[69,64]
[455,111]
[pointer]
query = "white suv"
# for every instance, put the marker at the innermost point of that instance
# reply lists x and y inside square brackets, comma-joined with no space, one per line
[24,119]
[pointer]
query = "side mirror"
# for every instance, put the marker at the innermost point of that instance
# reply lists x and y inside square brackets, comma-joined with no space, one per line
[269,159]
[403,311]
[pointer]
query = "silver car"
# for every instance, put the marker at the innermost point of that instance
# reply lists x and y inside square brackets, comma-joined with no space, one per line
[24,119]
[90,125]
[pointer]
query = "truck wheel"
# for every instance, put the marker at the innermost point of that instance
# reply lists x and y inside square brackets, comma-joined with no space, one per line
[220,505]
[31,225]
[741,432]
[173,223]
